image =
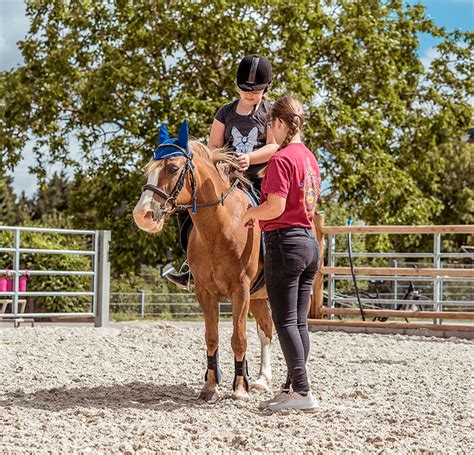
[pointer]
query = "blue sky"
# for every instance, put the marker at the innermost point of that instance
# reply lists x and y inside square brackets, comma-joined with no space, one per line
[450,14]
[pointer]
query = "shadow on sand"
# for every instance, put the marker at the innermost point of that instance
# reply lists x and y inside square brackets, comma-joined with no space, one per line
[137,395]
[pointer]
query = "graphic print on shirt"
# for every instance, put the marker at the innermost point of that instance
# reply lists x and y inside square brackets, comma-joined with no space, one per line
[311,189]
[244,144]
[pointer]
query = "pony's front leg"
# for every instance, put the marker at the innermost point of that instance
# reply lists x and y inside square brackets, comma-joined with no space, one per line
[210,308]
[262,314]
[240,307]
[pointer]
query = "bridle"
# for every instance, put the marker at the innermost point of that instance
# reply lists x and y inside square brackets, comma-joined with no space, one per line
[170,205]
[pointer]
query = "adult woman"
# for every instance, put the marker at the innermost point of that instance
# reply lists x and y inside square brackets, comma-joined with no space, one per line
[290,191]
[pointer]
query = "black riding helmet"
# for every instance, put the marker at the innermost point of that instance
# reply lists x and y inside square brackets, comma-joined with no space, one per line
[254,73]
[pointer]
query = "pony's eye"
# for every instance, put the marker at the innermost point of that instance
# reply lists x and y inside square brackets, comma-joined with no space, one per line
[172,168]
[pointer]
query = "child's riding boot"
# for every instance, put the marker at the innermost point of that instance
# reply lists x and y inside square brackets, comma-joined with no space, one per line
[182,280]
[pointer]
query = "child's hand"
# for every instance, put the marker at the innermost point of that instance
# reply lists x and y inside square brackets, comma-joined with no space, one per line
[247,221]
[243,160]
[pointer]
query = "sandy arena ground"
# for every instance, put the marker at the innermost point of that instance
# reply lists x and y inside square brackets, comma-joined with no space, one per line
[133,388]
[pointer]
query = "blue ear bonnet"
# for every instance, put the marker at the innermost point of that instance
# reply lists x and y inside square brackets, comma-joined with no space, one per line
[172,147]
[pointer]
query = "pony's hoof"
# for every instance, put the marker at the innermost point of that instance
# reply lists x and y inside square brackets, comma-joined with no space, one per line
[260,385]
[208,395]
[242,395]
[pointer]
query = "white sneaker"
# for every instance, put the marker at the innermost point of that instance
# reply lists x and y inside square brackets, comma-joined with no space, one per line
[280,396]
[294,400]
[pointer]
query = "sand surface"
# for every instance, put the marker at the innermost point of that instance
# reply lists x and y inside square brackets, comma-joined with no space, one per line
[133,389]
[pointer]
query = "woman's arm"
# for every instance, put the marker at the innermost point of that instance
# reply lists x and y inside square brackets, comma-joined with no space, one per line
[269,210]
[216,138]
[261,155]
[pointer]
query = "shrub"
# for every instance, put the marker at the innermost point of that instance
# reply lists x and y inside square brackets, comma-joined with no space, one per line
[47,261]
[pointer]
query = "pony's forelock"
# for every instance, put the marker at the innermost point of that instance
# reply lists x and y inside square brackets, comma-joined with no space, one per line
[152,167]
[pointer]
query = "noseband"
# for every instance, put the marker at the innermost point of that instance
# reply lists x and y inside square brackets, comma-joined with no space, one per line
[170,205]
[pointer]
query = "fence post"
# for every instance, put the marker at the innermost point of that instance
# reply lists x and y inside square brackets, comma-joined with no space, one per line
[142,303]
[16,276]
[317,298]
[436,280]
[395,285]
[102,290]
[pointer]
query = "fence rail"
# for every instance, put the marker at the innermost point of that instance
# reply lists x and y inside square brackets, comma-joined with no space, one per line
[12,238]
[447,287]
[433,303]
[152,304]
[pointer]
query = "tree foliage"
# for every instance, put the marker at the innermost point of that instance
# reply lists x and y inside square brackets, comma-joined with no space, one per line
[52,198]
[108,73]
[105,200]
[9,214]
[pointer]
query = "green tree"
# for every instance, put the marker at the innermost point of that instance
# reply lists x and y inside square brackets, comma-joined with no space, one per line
[456,183]
[106,199]
[110,72]
[52,197]
[9,214]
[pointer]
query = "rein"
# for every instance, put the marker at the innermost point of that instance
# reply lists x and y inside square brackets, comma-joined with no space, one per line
[170,199]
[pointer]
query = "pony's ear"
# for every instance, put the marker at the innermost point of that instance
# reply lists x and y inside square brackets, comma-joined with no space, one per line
[183,135]
[163,136]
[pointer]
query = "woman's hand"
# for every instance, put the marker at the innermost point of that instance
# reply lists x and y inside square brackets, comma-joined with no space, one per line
[247,220]
[243,160]
[272,208]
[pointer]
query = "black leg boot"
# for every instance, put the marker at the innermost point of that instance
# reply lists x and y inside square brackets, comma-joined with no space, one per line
[182,280]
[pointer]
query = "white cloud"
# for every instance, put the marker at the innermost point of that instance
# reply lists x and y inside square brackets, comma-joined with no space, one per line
[23,181]
[13,27]
[429,55]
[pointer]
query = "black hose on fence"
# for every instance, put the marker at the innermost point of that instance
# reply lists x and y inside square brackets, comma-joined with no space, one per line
[351,262]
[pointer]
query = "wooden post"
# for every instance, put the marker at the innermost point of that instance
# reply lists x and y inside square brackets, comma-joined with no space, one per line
[317,298]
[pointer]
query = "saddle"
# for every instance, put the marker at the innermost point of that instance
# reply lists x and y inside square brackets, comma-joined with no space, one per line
[186,226]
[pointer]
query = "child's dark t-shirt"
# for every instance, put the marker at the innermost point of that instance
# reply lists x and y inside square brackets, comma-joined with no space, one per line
[292,173]
[245,133]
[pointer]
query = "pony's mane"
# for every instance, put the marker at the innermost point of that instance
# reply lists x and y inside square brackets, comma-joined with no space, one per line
[222,159]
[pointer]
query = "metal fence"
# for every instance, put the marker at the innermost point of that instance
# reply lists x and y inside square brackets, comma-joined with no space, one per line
[95,247]
[160,305]
[436,293]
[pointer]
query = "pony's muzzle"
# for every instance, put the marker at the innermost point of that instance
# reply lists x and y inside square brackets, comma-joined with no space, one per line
[147,215]
[156,212]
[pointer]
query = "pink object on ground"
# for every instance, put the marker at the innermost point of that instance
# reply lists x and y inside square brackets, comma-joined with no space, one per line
[22,283]
[3,284]
[9,284]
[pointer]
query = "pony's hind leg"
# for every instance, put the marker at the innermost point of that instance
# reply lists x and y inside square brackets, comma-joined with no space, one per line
[261,312]
[210,307]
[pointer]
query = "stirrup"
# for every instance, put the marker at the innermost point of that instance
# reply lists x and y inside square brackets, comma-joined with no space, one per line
[181,279]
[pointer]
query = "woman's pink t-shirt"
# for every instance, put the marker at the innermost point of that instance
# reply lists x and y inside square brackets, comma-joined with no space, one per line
[292,173]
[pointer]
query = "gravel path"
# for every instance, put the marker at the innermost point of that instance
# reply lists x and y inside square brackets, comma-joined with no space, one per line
[133,389]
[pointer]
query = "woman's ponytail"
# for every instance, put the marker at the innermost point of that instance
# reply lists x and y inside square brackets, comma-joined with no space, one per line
[289,110]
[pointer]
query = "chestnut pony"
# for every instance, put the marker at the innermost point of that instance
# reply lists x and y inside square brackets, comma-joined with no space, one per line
[223,256]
